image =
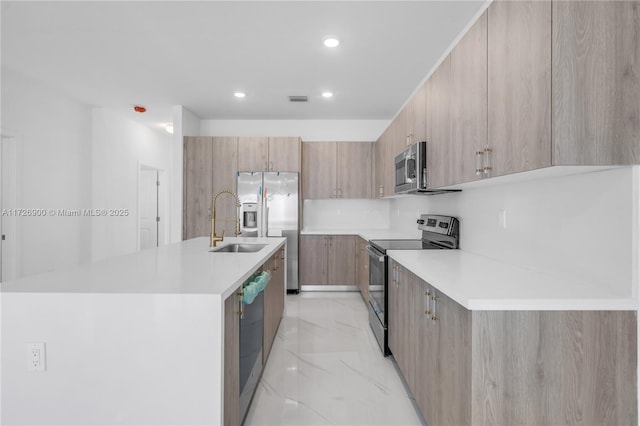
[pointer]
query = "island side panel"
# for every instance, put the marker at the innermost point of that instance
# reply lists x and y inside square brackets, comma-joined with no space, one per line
[112,359]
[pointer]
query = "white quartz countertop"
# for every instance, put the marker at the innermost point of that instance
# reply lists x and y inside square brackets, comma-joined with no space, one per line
[367,234]
[480,283]
[186,267]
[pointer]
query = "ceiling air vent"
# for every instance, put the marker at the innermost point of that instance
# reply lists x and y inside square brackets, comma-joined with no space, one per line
[298,99]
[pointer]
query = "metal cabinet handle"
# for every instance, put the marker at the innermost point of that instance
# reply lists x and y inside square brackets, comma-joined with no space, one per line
[428,303]
[271,166]
[487,161]
[434,307]
[240,295]
[479,163]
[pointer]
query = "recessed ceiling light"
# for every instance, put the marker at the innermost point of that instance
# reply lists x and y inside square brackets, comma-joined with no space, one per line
[239,94]
[331,41]
[169,128]
[327,94]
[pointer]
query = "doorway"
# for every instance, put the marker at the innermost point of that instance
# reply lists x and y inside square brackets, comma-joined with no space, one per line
[150,207]
[8,205]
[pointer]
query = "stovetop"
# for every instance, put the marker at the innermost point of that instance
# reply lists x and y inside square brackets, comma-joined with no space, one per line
[384,245]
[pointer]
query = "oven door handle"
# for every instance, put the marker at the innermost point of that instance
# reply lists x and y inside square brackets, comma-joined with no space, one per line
[375,255]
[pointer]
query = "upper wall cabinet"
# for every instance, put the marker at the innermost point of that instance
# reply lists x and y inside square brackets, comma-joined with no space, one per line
[264,154]
[417,116]
[337,170]
[209,167]
[198,186]
[253,154]
[285,154]
[469,103]
[596,82]
[519,92]
[439,155]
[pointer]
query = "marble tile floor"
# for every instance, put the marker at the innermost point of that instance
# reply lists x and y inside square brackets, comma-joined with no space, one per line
[326,368]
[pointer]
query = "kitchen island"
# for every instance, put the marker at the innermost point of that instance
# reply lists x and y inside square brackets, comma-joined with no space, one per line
[135,339]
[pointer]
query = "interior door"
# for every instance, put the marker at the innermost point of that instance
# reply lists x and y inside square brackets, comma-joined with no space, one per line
[148,208]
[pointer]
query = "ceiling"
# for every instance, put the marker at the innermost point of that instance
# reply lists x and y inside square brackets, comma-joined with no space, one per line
[118,54]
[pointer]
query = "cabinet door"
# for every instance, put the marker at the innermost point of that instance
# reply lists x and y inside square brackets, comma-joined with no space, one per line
[596,58]
[341,255]
[354,174]
[313,260]
[439,154]
[454,362]
[225,171]
[319,170]
[401,138]
[519,92]
[469,101]
[427,392]
[231,361]
[284,154]
[417,117]
[400,314]
[253,154]
[198,187]
[382,160]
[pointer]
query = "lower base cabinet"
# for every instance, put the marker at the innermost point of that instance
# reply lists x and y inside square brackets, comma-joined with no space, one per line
[511,367]
[327,259]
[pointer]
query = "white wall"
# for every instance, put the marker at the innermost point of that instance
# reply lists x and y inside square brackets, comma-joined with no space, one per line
[185,123]
[345,214]
[53,134]
[580,225]
[309,130]
[118,146]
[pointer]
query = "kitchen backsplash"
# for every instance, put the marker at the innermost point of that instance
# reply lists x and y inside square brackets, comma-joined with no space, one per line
[581,225]
[346,214]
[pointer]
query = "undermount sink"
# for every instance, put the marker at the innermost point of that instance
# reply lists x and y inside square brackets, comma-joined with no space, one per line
[238,248]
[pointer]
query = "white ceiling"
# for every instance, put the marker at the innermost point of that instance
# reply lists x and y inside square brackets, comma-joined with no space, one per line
[158,54]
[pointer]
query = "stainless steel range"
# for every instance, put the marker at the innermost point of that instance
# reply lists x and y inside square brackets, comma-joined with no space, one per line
[438,232]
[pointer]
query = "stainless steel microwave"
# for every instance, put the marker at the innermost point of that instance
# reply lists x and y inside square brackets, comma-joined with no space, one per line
[411,172]
[411,169]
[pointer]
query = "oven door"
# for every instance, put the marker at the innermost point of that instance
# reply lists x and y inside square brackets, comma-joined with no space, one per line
[378,283]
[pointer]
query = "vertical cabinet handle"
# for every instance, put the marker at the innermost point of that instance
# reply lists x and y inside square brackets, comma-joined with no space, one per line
[240,294]
[271,166]
[434,307]
[381,191]
[427,312]
[479,163]
[486,168]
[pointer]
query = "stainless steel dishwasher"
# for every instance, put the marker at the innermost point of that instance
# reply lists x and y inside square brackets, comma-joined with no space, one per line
[251,335]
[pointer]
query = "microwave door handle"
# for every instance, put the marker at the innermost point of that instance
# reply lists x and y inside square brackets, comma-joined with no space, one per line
[406,168]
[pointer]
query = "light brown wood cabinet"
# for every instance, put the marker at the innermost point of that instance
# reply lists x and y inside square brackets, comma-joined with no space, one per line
[231,379]
[269,154]
[337,170]
[198,187]
[511,367]
[274,295]
[519,91]
[439,152]
[384,170]
[362,268]
[468,103]
[209,167]
[596,82]
[401,325]
[327,260]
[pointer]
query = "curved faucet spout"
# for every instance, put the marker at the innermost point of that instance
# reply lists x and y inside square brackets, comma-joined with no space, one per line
[218,238]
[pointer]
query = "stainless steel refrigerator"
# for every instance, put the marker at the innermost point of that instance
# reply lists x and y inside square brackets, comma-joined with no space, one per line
[269,208]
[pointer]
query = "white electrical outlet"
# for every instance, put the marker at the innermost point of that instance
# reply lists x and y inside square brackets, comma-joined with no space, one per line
[502,219]
[36,357]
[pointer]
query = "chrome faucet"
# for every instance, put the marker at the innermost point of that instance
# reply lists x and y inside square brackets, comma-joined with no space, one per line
[219,238]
